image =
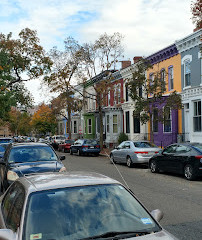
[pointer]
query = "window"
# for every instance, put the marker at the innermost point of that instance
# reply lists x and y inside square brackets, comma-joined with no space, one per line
[126,91]
[136,124]
[12,206]
[170,149]
[187,73]
[89,125]
[108,98]
[140,91]
[127,122]
[163,82]
[75,126]
[119,94]
[170,78]
[115,124]
[155,120]
[167,119]
[197,116]
[107,124]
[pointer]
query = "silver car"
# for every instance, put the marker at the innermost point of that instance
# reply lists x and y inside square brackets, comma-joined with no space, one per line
[75,205]
[132,152]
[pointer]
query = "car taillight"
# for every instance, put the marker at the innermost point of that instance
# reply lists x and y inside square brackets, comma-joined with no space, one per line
[85,146]
[156,152]
[97,146]
[199,157]
[141,152]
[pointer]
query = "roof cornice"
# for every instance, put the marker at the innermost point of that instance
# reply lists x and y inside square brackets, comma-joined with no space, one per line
[189,41]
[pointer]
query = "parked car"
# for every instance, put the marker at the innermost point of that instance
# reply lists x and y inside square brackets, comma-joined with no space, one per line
[183,158]
[65,147]
[132,152]
[6,139]
[28,158]
[3,147]
[85,146]
[56,140]
[76,205]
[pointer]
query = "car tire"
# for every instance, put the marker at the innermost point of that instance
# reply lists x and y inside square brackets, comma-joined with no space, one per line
[129,162]
[189,172]
[112,158]
[153,166]
[70,151]
[79,152]
[64,150]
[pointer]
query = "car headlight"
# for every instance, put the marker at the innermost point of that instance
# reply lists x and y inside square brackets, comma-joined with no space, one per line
[63,169]
[12,176]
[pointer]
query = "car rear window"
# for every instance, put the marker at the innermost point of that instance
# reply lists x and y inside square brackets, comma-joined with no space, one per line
[69,141]
[91,142]
[144,145]
[198,146]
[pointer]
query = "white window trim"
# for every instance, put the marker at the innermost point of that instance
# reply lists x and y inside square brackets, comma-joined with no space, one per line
[171,130]
[184,63]
[89,125]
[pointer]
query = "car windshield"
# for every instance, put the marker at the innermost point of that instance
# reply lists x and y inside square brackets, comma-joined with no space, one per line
[83,212]
[144,145]
[69,141]
[31,154]
[90,141]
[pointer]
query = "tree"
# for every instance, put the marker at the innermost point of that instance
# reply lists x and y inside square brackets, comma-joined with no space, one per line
[60,104]
[21,60]
[19,122]
[43,121]
[196,10]
[152,93]
[59,80]
[100,56]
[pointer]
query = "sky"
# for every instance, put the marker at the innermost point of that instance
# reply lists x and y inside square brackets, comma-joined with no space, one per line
[147,25]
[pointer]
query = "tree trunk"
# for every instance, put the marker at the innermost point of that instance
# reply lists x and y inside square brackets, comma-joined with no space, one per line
[69,123]
[101,126]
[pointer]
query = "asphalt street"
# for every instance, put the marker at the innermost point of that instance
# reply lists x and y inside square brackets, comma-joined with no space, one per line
[179,199]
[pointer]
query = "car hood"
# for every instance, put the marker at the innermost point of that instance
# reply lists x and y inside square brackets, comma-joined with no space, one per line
[162,235]
[35,167]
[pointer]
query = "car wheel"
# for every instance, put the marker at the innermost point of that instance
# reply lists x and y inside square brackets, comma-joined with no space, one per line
[129,162]
[64,150]
[154,167]
[189,172]
[112,158]
[70,151]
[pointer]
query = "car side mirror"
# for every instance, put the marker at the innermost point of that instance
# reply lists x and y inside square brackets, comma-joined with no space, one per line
[62,158]
[157,214]
[117,148]
[7,234]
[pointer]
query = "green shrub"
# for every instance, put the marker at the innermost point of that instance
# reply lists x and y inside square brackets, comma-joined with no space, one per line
[122,137]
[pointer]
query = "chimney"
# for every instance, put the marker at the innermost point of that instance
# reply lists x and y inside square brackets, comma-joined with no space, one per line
[125,64]
[136,59]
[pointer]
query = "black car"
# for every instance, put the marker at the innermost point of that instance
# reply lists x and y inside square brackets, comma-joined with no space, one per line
[85,146]
[28,158]
[182,158]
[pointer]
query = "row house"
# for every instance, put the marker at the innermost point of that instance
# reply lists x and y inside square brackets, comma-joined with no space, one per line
[190,49]
[132,126]
[166,62]
[111,109]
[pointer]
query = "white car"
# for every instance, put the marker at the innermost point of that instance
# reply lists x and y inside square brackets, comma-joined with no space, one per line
[132,152]
[75,205]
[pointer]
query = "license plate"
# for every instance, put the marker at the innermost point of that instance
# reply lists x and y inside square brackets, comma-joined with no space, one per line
[91,147]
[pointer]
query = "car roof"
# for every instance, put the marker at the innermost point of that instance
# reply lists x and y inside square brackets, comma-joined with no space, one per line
[48,181]
[28,144]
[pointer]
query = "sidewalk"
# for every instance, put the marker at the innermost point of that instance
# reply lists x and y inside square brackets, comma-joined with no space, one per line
[106,152]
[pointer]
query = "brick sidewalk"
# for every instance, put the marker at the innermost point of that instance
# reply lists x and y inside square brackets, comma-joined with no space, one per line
[106,151]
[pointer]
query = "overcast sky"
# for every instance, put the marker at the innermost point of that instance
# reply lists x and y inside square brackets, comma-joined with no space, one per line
[147,25]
